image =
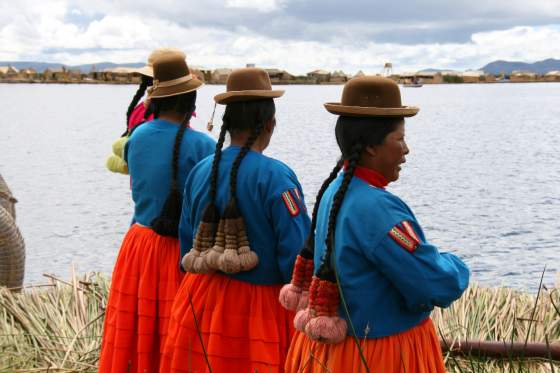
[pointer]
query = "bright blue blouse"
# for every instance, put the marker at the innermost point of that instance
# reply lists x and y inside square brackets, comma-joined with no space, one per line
[275,232]
[387,288]
[149,153]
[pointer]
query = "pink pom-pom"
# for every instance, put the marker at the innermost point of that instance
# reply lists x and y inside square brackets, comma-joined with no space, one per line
[303,300]
[301,319]
[326,329]
[290,296]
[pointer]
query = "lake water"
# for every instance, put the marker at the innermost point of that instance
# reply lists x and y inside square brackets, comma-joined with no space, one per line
[483,175]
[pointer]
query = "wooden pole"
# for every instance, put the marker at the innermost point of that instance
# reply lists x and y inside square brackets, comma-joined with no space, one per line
[503,350]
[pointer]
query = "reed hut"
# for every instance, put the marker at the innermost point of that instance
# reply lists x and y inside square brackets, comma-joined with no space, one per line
[12,247]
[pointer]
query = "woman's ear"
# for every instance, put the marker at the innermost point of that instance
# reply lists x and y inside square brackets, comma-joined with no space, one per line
[269,126]
[371,151]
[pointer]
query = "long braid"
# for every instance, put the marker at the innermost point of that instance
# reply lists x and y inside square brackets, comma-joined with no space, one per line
[176,151]
[167,223]
[337,202]
[320,319]
[216,163]
[201,254]
[221,242]
[237,255]
[210,214]
[244,150]
[310,243]
[146,81]
[295,295]
[328,287]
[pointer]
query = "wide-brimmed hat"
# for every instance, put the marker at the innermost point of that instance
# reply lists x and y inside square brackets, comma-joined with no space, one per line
[371,96]
[172,76]
[148,69]
[247,84]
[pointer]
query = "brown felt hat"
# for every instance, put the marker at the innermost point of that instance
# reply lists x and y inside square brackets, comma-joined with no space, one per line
[247,84]
[148,69]
[371,96]
[172,76]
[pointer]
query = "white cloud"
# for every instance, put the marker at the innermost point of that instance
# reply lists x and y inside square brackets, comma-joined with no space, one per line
[44,31]
[260,5]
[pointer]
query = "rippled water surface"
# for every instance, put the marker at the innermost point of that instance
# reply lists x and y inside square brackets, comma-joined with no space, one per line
[483,175]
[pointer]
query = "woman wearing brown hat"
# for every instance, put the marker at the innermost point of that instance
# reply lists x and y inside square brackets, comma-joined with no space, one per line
[137,113]
[242,224]
[160,154]
[376,277]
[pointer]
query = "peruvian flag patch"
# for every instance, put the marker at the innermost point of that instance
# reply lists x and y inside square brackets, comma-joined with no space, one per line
[405,236]
[290,202]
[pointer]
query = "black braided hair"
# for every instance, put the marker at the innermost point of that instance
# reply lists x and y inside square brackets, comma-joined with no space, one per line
[242,116]
[325,270]
[167,223]
[309,247]
[210,213]
[144,83]
[244,150]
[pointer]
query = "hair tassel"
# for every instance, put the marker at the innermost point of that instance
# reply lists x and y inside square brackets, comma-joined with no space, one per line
[294,296]
[324,324]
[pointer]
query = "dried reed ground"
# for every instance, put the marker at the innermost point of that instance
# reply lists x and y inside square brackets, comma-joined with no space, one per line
[57,327]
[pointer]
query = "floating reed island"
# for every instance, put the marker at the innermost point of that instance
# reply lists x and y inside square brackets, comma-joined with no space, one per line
[57,327]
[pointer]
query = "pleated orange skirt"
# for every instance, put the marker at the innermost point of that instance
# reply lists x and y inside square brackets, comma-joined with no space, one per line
[243,327]
[145,280]
[415,351]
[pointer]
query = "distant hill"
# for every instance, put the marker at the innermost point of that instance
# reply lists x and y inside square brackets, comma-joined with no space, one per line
[42,66]
[506,67]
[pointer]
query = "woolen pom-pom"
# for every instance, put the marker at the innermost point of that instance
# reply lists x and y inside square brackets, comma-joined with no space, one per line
[200,266]
[303,300]
[326,329]
[188,260]
[213,255]
[290,297]
[301,319]
[229,261]
[247,258]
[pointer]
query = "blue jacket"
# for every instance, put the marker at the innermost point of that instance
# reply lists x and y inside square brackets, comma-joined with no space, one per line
[270,199]
[149,153]
[388,289]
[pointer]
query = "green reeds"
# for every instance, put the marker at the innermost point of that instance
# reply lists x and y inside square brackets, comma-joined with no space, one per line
[57,327]
[501,314]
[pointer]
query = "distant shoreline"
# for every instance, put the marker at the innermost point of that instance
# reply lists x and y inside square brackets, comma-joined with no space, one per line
[95,82]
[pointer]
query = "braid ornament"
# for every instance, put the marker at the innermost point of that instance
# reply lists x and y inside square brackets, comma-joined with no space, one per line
[295,295]
[210,233]
[320,320]
[237,255]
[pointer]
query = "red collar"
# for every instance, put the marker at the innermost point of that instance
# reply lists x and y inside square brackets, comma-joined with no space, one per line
[370,176]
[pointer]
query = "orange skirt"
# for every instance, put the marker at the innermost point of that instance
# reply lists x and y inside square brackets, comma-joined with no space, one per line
[243,327]
[145,280]
[416,350]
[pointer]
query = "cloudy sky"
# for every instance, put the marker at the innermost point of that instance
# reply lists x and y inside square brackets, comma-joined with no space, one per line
[297,35]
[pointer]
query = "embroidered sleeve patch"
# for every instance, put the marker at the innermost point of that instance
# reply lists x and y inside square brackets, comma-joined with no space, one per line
[408,228]
[402,237]
[290,203]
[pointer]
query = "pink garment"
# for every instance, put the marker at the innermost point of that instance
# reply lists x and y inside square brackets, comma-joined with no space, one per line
[137,116]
